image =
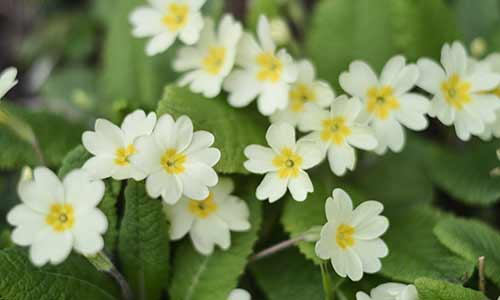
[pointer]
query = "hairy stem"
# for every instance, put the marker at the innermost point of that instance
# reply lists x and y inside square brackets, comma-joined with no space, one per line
[482,280]
[38,151]
[277,248]
[103,263]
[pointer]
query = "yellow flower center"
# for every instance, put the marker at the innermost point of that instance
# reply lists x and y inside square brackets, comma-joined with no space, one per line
[496,92]
[61,217]
[204,208]
[299,95]
[214,60]
[176,17]
[456,92]
[344,236]
[173,162]
[122,155]
[270,67]
[381,101]
[288,163]
[335,130]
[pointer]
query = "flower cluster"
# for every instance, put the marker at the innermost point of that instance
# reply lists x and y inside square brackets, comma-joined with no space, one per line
[390,291]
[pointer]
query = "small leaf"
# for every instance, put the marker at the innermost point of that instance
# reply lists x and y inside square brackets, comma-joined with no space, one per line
[144,243]
[472,239]
[465,174]
[287,275]
[75,279]
[233,128]
[415,252]
[198,277]
[74,160]
[430,289]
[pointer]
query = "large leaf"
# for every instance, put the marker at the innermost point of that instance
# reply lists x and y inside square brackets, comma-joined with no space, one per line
[477,18]
[472,239]
[430,289]
[198,277]
[289,276]
[144,243]
[256,8]
[415,252]
[74,279]
[55,134]
[74,160]
[234,128]
[465,174]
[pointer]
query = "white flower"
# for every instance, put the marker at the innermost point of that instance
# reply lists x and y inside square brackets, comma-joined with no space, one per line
[112,146]
[239,294]
[263,72]
[209,221]
[351,238]
[390,291]
[177,160]
[492,63]
[56,216]
[284,164]
[7,80]
[211,59]
[164,20]
[338,132]
[305,90]
[388,102]
[458,91]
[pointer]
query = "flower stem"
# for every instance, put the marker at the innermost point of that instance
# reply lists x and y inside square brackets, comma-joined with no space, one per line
[327,282]
[277,248]
[38,151]
[102,263]
[482,280]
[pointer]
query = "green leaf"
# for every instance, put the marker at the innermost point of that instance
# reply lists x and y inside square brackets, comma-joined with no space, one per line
[74,279]
[128,73]
[477,18]
[55,134]
[269,8]
[74,160]
[233,128]
[430,289]
[198,277]
[472,239]
[415,252]
[287,275]
[144,243]
[465,175]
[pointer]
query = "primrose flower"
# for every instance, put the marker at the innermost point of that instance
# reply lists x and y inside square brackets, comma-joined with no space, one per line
[263,73]
[239,294]
[390,291]
[388,102]
[112,146]
[7,80]
[211,59]
[177,160]
[307,89]
[284,164]
[492,63]
[209,221]
[351,238]
[56,216]
[165,20]
[459,91]
[338,132]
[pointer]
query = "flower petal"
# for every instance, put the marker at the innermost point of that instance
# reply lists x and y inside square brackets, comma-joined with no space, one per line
[234,211]
[51,246]
[209,232]
[358,79]
[341,158]
[82,191]
[260,159]
[271,187]
[281,136]
[338,208]
[300,186]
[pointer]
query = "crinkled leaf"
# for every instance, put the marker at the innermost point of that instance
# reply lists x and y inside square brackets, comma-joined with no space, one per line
[472,239]
[465,174]
[233,128]
[199,277]
[75,279]
[74,160]
[431,289]
[415,252]
[144,243]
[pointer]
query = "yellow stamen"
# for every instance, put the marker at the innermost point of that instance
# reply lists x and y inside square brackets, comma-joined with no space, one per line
[214,60]
[344,236]
[61,217]
[288,163]
[176,17]
[299,95]
[270,67]
[122,155]
[381,101]
[335,130]
[204,208]
[173,162]
[456,92]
